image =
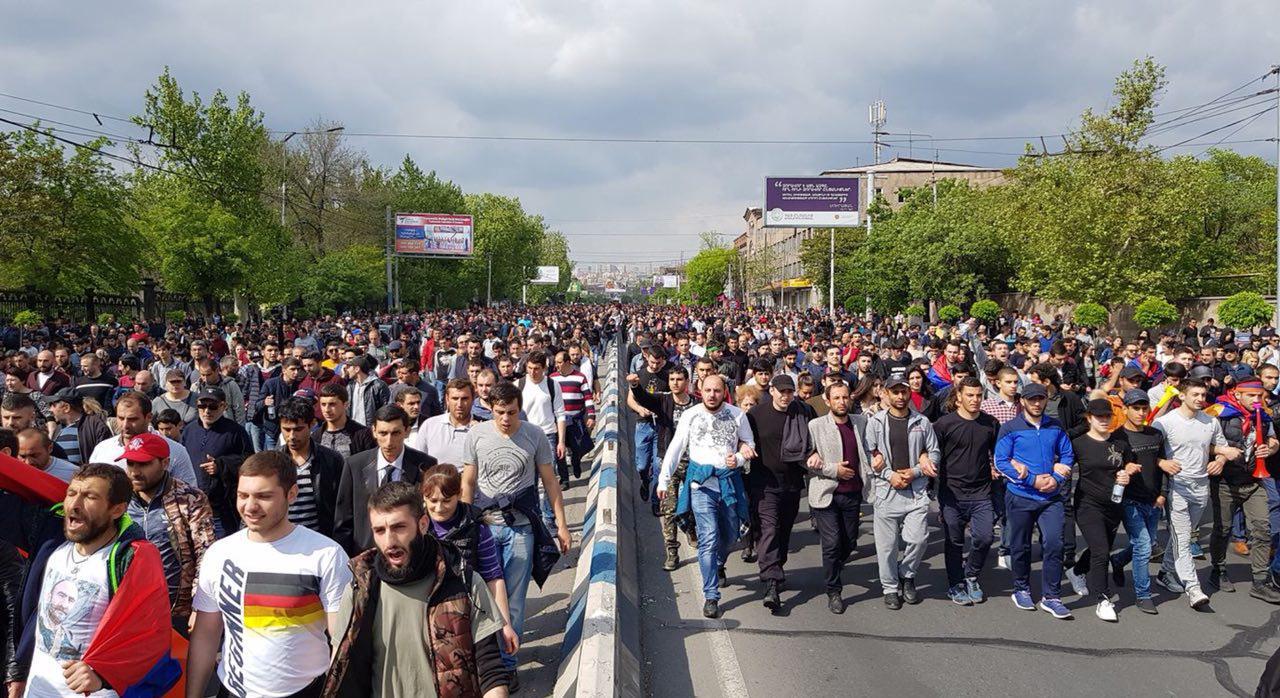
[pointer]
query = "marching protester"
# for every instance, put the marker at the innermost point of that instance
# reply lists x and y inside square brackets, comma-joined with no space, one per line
[904,453]
[268,596]
[667,408]
[390,627]
[718,441]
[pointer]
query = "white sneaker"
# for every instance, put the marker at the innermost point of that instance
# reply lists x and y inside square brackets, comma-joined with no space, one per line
[1078,583]
[1106,611]
[1196,598]
[1002,562]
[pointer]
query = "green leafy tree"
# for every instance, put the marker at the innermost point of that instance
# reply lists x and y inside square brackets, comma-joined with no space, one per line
[707,271]
[1091,314]
[1154,312]
[915,310]
[351,277]
[63,218]
[949,313]
[1245,310]
[985,310]
[554,251]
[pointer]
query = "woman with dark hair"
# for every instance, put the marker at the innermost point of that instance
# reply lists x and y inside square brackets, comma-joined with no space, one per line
[866,396]
[458,525]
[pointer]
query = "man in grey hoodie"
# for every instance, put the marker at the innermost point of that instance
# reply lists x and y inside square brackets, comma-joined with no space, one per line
[904,453]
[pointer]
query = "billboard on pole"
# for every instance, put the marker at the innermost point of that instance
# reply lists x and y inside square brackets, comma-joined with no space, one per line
[546,275]
[811,202]
[442,234]
[669,281]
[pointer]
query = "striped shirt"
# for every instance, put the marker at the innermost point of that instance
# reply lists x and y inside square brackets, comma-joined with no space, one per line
[303,511]
[575,391]
[69,439]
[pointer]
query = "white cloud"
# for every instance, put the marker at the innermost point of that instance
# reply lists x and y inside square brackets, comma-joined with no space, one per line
[618,68]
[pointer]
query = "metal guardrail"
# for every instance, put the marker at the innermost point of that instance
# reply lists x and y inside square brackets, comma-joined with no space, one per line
[600,652]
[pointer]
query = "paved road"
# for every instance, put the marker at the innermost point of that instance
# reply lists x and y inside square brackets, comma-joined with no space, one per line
[547,609]
[935,648]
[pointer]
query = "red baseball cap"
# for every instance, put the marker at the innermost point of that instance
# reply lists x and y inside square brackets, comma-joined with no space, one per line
[145,447]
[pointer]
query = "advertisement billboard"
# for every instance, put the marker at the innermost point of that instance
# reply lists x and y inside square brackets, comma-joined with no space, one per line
[546,275]
[441,234]
[811,202]
[669,281]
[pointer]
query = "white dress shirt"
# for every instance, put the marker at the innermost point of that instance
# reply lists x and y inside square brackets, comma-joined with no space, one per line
[443,440]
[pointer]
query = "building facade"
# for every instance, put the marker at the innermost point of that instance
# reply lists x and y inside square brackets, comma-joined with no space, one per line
[774,277]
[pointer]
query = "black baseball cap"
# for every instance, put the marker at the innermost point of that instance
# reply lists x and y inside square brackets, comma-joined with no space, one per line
[1034,390]
[211,394]
[1135,396]
[1099,407]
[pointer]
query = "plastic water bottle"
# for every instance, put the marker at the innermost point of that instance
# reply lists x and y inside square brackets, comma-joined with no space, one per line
[1117,492]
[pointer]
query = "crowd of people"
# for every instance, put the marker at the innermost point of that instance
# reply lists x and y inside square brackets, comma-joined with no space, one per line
[1027,429]
[356,506]
[351,506]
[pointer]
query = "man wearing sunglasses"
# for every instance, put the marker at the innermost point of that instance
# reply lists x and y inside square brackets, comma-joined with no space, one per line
[217,445]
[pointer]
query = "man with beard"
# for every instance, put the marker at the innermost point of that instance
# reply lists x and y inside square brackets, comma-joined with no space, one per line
[404,590]
[268,594]
[719,443]
[667,408]
[133,417]
[840,472]
[73,584]
[174,516]
[780,429]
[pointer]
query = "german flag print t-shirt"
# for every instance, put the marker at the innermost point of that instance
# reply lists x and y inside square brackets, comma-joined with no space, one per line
[273,598]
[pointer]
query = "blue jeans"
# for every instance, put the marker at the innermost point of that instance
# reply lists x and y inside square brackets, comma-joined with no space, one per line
[714,535]
[548,513]
[515,547]
[646,449]
[1140,523]
[958,514]
[1273,511]
[255,435]
[1023,516]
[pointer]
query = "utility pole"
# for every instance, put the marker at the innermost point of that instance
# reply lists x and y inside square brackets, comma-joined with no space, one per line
[282,196]
[877,116]
[831,280]
[488,294]
[1275,70]
[390,233]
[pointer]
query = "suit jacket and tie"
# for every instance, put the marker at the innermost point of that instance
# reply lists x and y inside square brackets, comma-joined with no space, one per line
[830,448]
[360,479]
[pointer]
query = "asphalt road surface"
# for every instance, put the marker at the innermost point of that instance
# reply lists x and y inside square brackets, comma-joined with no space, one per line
[935,648]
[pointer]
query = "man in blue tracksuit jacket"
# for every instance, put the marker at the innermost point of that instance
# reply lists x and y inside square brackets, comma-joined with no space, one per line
[1034,453]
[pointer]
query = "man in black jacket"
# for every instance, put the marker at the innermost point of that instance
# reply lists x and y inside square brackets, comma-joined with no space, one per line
[667,408]
[79,432]
[363,473]
[319,468]
[217,447]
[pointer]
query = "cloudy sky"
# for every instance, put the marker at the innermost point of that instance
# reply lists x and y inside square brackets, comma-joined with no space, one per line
[645,69]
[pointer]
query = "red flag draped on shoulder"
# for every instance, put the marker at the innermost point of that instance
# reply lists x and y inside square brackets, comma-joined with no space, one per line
[131,647]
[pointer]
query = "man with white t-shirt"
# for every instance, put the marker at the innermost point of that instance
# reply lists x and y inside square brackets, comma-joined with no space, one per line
[75,581]
[1192,437]
[133,417]
[719,442]
[267,594]
[444,436]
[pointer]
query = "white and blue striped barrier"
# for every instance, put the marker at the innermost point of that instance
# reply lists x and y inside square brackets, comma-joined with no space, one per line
[601,649]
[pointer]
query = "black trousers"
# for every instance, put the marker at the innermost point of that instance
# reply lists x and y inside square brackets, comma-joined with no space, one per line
[752,537]
[778,509]
[838,530]
[979,517]
[1098,521]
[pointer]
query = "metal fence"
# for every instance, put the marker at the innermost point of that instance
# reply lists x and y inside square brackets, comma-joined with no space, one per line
[148,303]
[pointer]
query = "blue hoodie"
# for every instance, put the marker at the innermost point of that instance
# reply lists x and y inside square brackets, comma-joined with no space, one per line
[1038,449]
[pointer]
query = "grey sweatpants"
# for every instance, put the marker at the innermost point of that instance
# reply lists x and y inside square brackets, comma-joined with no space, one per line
[1186,505]
[897,519]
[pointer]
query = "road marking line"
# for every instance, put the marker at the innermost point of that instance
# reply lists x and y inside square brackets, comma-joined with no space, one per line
[728,670]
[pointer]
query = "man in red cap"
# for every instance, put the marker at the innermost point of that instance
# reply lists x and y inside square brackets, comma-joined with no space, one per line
[174,516]
[1242,413]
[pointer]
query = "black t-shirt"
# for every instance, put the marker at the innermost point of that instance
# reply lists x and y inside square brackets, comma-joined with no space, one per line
[1098,462]
[654,383]
[899,444]
[967,446]
[1148,448]
[767,424]
[100,388]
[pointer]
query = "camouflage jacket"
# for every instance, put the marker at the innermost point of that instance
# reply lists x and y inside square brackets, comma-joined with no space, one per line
[448,642]
[190,533]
